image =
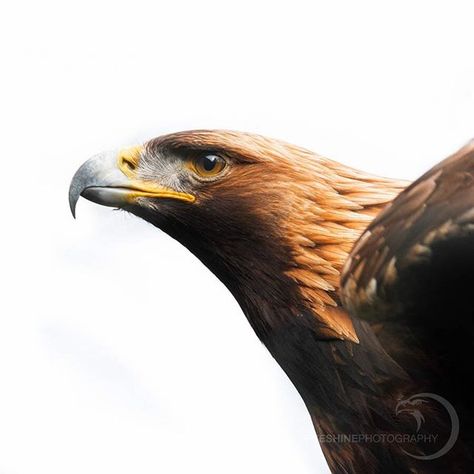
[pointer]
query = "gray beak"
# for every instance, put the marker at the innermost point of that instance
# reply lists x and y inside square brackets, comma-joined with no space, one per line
[100,180]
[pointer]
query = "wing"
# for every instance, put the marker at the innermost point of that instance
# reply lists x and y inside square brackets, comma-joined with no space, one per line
[411,277]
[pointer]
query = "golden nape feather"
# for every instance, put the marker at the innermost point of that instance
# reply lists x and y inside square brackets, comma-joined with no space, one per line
[276,224]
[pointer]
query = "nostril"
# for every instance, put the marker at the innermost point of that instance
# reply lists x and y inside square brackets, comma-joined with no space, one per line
[127,163]
[128,160]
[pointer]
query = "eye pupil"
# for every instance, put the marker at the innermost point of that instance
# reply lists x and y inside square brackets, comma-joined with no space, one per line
[209,162]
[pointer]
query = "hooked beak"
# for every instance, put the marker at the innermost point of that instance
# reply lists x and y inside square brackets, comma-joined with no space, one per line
[110,179]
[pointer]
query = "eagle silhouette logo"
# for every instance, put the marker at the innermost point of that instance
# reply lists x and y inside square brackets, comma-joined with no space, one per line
[414,406]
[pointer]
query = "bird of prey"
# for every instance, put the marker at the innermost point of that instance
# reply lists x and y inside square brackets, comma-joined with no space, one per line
[359,286]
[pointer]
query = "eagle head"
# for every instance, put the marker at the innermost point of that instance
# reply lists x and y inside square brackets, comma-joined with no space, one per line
[273,221]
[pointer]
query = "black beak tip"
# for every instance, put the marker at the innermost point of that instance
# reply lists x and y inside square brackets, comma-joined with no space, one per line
[74,194]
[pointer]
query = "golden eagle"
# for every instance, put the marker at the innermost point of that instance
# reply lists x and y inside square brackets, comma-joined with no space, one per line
[359,286]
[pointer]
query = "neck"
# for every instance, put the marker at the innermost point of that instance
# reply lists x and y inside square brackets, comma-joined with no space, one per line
[351,387]
[353,392]
[295,258]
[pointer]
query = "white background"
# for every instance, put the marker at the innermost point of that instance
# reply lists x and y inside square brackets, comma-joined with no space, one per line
[119,351]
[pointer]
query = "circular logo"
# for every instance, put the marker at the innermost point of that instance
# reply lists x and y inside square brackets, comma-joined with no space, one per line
[414,406]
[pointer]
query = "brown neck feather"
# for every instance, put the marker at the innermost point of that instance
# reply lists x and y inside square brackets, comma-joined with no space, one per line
[331,206]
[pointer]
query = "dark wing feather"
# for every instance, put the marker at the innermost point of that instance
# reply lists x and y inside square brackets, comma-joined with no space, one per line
[411,276]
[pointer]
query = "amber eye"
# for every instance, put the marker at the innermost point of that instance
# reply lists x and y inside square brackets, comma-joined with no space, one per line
[209,165]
